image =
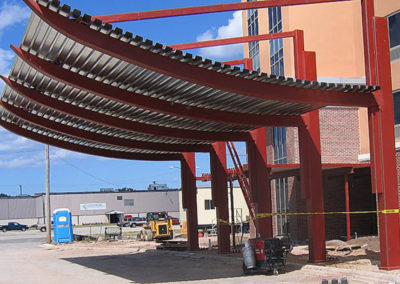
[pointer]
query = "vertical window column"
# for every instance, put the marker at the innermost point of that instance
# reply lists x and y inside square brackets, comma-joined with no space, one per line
[279,133]
[252,26]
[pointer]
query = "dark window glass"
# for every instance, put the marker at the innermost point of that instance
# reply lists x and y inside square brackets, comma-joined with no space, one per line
[129,202]
[119,197]
[396,105]
[394,29]
[208,204]
[252,28]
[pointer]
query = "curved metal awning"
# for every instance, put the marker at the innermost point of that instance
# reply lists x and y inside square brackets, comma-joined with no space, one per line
[81,85]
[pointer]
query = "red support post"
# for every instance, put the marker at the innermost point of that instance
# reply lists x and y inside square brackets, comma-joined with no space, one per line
[259,180]
[220,194]
[247,63]
[311,167]
[189,198]
[382,140]
[347,197]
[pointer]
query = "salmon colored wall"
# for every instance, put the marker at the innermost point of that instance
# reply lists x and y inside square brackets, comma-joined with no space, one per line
[364,132]
[245,33]
[384,8]
[396,75]
[264,45]
[334,32]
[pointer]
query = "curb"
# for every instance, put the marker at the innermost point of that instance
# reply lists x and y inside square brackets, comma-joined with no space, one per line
[381,275]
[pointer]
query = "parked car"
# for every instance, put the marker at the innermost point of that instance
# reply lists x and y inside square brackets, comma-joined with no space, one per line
[132,222]
[42,227]
[175,221]
[14,226]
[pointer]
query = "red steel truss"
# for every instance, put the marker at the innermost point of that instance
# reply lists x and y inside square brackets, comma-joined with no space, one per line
[19,118]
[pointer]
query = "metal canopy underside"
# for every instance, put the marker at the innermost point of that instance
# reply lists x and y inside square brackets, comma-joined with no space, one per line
[133,97]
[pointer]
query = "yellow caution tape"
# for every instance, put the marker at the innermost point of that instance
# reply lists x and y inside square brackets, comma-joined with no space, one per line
[266,215]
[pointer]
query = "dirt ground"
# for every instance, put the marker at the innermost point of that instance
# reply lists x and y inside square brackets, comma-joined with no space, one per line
[132,261]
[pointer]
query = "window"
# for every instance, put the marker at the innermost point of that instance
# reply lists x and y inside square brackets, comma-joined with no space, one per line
[394,29]
[208,204]
[279,143]
[129,202]
[282,205]
[252,26]
[119,197]
[276,45]
[396,105]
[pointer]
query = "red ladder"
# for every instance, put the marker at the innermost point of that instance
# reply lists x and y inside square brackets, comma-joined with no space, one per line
[242,179]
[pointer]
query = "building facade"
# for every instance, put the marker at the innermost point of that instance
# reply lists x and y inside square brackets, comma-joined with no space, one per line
[90,207]
[334,32]
[206,212]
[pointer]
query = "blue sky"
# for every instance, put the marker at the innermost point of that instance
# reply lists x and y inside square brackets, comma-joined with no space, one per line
[22,160]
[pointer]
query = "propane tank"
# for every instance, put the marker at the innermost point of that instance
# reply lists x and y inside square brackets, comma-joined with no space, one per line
[249,258]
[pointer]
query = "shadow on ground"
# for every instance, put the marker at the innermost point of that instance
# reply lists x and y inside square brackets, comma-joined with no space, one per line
[152,267]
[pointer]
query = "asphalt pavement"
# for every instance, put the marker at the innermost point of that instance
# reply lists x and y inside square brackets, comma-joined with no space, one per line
[17,239]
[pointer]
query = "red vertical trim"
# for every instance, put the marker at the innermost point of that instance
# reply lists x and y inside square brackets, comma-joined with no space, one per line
[368,12]
[383,154]
[220,194]
[259,179]
[311,168]
[189,199]
[347,197]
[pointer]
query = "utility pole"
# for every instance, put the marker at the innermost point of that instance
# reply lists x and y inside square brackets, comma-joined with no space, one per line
[48,213]
[20,190]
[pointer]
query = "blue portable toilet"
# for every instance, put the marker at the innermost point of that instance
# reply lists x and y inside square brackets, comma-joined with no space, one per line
[62,220]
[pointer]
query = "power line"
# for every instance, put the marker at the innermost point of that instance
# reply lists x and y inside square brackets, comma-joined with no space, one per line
[89,174]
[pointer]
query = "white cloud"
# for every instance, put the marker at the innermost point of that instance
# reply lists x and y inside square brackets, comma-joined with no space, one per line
[11,14]
[22,161]
[57,154]
[6,58]
[232,29]
[10,143]
[19,152]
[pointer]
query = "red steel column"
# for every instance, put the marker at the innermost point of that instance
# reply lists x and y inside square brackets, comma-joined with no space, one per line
[220,194]
[382,141]
[189,198]
[258,179]
[347,197]
[311,168]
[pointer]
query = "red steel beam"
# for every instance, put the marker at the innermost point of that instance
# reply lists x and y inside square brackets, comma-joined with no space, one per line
[134,16]
[247,62]
[87,150]
[189,198]
[177,69]
[347,198]
[219,192]
[233,40]
[26,115]
[134,99]
[311,166]
[119,123]
[382,142]
[260,185]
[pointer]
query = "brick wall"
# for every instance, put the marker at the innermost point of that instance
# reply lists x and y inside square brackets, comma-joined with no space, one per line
[340,142]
